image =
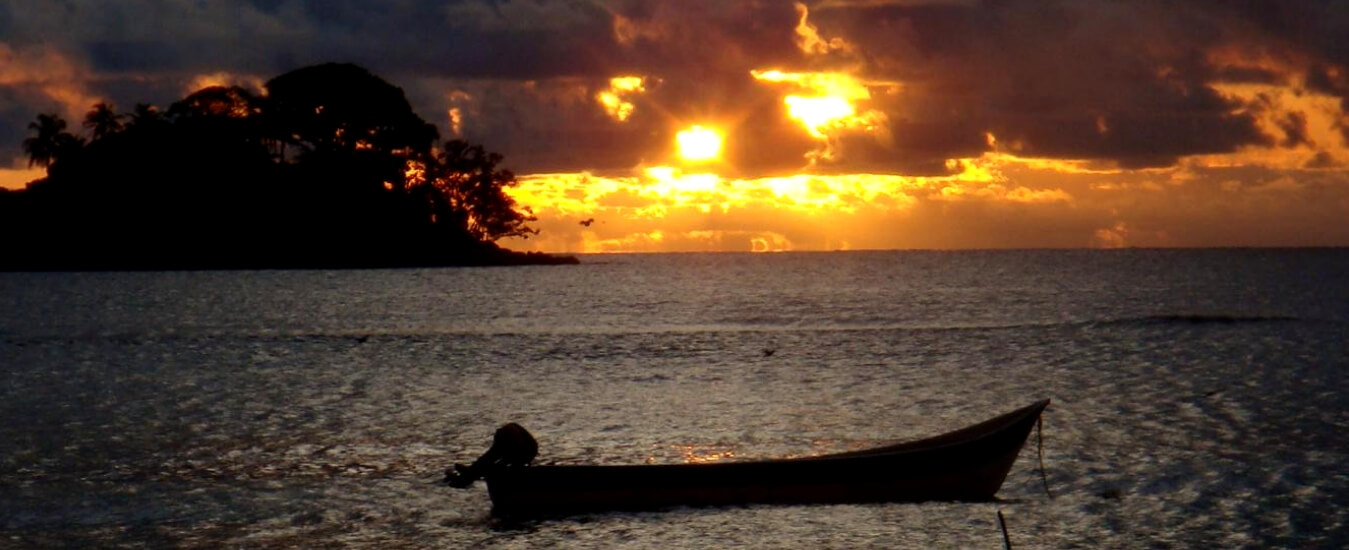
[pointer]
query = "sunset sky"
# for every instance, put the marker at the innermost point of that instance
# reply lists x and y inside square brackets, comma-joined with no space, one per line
[738,125]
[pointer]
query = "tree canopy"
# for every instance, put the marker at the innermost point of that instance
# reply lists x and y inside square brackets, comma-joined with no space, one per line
[328,167]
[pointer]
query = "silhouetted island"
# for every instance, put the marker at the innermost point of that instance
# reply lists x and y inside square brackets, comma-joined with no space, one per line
[330,168]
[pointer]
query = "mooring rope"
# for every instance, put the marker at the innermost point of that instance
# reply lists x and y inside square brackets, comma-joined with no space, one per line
[1006,540]
[1040,450]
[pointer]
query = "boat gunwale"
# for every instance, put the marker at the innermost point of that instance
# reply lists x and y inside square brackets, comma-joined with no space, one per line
[968,464]
[953,439]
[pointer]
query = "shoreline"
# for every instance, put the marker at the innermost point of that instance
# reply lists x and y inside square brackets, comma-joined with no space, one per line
[503,259]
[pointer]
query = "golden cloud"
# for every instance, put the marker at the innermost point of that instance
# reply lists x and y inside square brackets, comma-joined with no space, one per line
[49,73]
[1306,127]
[226,79]
[825,104]
[615,99]
[808,38]
[19,174]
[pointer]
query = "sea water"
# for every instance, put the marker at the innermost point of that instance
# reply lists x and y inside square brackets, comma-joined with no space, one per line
[1199,396]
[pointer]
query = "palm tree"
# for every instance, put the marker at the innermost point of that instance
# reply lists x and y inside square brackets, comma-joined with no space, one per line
[51,140]
[103,121]
[145,114]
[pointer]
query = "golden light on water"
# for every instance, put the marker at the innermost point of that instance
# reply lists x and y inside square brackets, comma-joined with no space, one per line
[701,454]
[698,144]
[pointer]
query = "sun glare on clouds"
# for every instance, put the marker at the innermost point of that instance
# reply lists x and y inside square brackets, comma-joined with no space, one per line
[817,113]
[666,208]
[615,100]
[825,104]
[831,96]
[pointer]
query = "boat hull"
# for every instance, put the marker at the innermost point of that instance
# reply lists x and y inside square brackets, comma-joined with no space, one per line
[966,465]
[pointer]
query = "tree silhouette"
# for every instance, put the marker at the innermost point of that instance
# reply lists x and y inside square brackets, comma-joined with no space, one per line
[52,141]
[102,121]
[474,192]
[224,115]
[342,107]
[330,168]
[144,115]
[218,102]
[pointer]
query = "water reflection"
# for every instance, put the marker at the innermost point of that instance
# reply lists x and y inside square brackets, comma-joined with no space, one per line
[151,410]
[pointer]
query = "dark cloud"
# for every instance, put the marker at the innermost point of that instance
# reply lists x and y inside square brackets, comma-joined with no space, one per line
[1125,82]
[15,116]
[1312,26]
[421,37]
[137,56]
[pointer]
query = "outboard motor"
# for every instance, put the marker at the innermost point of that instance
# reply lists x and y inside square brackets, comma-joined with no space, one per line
[512,446]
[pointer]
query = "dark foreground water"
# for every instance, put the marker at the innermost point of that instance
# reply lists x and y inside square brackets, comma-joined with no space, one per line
[1200,397]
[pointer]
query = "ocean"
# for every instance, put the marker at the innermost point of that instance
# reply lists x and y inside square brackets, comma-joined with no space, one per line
[1200,397]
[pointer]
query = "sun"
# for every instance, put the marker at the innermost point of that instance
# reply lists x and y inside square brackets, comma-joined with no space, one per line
[698,144]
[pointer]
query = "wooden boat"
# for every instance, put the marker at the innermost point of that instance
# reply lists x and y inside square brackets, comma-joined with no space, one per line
[969,464]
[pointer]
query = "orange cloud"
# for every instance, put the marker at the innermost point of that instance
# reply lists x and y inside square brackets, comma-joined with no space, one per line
[808,37]
[459,101]
[19,174]
[825,104]
[666,208]
[1116,236]
[1307,128]
[49,73]
[615,99]
[996,200]
[221,78]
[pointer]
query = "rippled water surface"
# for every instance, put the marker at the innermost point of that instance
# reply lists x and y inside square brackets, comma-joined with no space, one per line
[1200,397]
